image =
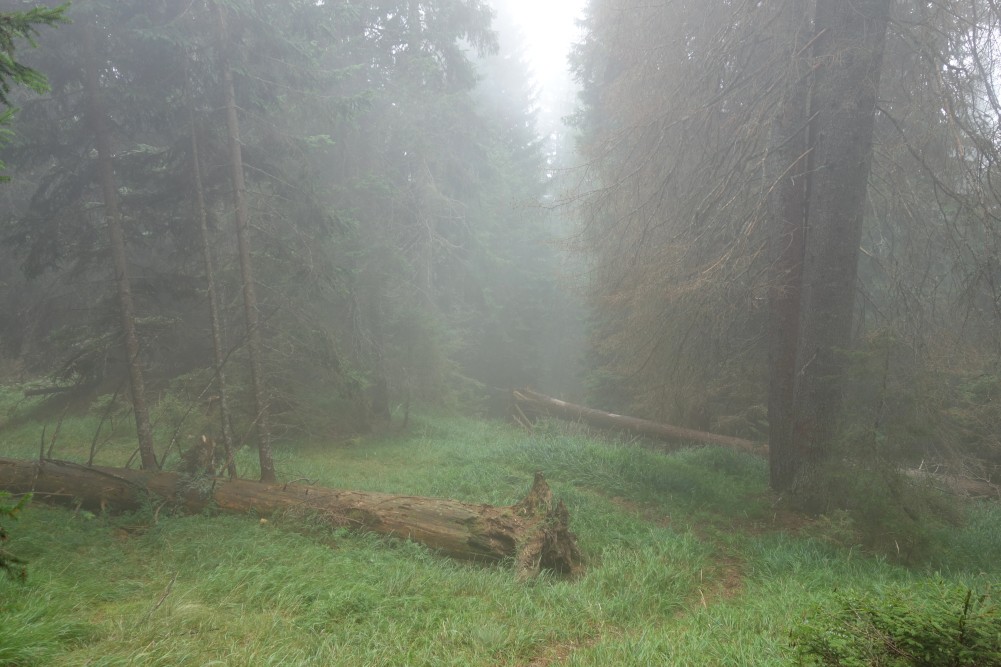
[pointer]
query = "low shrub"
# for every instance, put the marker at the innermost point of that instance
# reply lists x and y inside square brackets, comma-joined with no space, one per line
[14,567]
[928,624]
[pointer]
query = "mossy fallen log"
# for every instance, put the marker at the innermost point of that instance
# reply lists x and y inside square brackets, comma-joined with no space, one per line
[533,533]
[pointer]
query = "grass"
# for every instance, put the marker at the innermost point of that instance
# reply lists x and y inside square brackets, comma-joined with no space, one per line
[688,562]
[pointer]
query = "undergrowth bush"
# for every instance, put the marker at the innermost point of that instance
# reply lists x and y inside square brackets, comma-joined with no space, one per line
[11,565]
[886,510]
[928,624]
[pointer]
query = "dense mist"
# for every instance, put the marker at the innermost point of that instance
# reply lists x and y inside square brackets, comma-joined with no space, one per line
[685,314]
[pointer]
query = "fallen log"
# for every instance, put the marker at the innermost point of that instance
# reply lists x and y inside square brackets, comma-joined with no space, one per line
[527,400]
[956,485]
[532,402]
[46,391]
[534,533]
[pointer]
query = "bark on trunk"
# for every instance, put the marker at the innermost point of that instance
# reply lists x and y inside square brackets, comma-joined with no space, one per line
[380,384]
[112,219]
[849,53]
[261,421]
[534,402]
[218,357]
[787,166]
[534,532]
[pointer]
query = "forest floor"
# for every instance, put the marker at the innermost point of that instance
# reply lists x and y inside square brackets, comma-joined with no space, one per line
[689,561]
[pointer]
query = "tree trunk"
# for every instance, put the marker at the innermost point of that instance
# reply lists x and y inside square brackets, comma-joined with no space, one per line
[261,421]
[217,348]
[533,532]
[380,384]
[787,178]
[535,402]
[849,53]
[112,219]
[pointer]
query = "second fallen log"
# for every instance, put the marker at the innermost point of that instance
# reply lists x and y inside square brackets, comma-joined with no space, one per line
[530,401]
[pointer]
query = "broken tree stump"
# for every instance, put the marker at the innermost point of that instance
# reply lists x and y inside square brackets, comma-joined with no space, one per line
[534,533]
[527,400]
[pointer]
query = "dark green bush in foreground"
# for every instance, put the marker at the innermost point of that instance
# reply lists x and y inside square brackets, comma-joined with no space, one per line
[10,564]
[932,624]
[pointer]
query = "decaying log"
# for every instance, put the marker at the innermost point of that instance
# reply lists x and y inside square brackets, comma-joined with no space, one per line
[533,533]
[527,400]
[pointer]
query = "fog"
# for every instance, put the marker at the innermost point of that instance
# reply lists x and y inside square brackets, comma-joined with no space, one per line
[548,31]
[501,336]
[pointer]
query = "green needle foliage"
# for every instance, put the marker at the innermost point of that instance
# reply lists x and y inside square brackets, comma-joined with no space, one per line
[928,624]
[23,25]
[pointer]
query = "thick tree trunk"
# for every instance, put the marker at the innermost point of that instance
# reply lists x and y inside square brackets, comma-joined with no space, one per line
[787,178]
[534,533]
[848,51]
[112,219]
[218,357]
[534,402]
[261,421]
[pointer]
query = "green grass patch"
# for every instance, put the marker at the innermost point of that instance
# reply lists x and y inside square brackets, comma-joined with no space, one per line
[687,563]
